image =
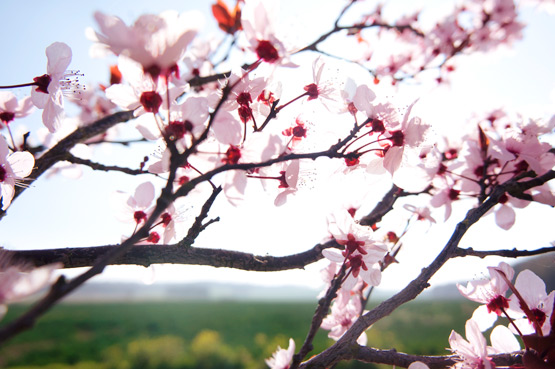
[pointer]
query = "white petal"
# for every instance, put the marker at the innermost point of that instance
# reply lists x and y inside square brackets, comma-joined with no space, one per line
[505,217]
[22,163]
[503,340]
[144,194]
[59,57]
[483,318]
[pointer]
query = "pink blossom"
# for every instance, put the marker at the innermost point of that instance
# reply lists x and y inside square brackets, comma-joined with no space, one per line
[421,213]
[142,93]
[156,42]
[11,108]
[323,89]
[361,254]
[281,359]
[412,134]
[134,208]
[244,95]
[491,293]
[259,147]
[445,197]
[170,224]
[187,120]
[13,168]
[474,352]
[532,289]
[18,282]
[258,19]
[342,317]
[48,94]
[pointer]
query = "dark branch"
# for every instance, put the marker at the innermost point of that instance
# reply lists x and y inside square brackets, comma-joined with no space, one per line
[399,359]
[514,253]
[106,168]
[146,255]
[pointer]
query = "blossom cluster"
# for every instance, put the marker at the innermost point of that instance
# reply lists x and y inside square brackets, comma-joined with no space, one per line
[529,310]
[212,127]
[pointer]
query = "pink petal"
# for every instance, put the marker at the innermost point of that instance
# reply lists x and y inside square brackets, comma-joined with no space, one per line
[59,57]
[505,217]
[503,340]
[144,194]
[22,163]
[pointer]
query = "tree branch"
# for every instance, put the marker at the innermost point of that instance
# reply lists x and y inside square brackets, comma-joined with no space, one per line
[392,357]
[146,255]
[514,253]
[346,345]
[106,168]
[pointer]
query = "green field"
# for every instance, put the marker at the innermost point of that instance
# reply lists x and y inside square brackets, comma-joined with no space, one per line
[206,334]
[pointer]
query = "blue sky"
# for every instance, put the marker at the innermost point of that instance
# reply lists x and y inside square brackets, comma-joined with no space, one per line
[57,213]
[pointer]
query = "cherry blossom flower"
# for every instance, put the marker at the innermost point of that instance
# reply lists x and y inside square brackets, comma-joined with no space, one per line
[282,177]
[258,18]
[361,254]
[134,209]
[245,91]
[18,282]
[342,317]
[51,87]
[142,93]
[157,42]
[474,352]
[13,168]
[491,293]
[170,224]
[11,108]
[259,147]
[411,134]
[323,90]
[421,213]
[532,289]
[281,359]
[187,120]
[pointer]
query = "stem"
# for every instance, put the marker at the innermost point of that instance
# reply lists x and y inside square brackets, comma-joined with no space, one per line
[21,85]
[278,109]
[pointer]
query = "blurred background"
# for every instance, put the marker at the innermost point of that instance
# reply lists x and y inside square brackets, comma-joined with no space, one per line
[201,317]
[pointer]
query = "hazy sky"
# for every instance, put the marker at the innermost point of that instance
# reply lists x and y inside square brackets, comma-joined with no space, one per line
[60,212]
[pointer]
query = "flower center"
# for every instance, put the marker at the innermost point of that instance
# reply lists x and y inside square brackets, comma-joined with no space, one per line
[397,138]
[312,91]
[498,304]
[166,219]
[232,155]
[267,52]
[3,174]
[139,216]
[244,99]
[176,130]
[151,101]
[299,131]
[7,116]
[153,237]
[42,83]
[453,194]
[539,316]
